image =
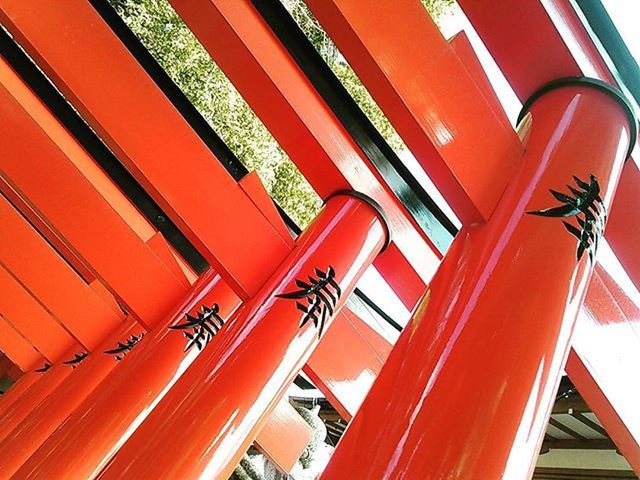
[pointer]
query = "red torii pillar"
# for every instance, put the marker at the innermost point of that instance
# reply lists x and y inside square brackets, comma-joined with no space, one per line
[531,50]
[481,333]
[108,416]
[204,425]
[17,444]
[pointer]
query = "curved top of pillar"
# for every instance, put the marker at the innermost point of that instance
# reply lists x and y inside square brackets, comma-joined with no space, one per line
[382,216]
[608,89]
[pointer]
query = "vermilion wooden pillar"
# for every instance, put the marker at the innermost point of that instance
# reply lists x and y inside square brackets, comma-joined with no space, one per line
[468,388]
[533,42]
[19,409]
[24,383]
[25,356]
[18,444]
[204,425]
[110,414]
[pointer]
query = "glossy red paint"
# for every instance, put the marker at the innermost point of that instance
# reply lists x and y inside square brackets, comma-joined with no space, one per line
[108,416]
[400,276]
[17,348]
[161,247]
[464,50]
[18,444]
[278,91]
[31,319]
[532,42]
[524,42]
[482,334]
[604,357]
[284,436]
[35,219]
[630,309]
[253,187]
[70,204]
[237,381]
[31,398]
[427,93]
[22,385]
[623,231]
[48,277]
[163,152]
[75,152]
[347,361]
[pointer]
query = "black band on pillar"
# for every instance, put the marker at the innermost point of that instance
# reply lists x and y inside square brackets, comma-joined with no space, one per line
[373,204]
[596,84]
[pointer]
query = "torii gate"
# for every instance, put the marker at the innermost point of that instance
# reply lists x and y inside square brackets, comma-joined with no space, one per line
[127,220]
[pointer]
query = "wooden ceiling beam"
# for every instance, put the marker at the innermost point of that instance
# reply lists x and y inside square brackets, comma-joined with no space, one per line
[566,429]
[589,423]
[570,444]
[569,405]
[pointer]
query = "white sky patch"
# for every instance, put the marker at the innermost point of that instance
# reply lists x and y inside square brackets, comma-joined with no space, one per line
[374,286]
[625,14]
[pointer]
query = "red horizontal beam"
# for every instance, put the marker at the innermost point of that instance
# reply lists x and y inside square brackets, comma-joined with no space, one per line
[76,210]
[47,277]
[347,361]
[284,437]
[429,96]
[17,348]
[155,143]
[278,91]
[32,320]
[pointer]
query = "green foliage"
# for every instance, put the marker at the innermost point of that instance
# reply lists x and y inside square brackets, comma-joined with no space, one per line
[438,8]
[188,64]
[341,68]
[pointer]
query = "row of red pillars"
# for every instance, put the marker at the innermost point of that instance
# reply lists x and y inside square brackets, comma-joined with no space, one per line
[202,399]
[481,332]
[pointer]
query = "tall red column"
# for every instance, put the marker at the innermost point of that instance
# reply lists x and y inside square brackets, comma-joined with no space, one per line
[53,376]
[22,385]
[18,444]
[204,425]
[82,445]
[468,388]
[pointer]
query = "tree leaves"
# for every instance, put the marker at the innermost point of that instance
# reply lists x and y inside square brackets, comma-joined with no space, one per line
[189,65]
